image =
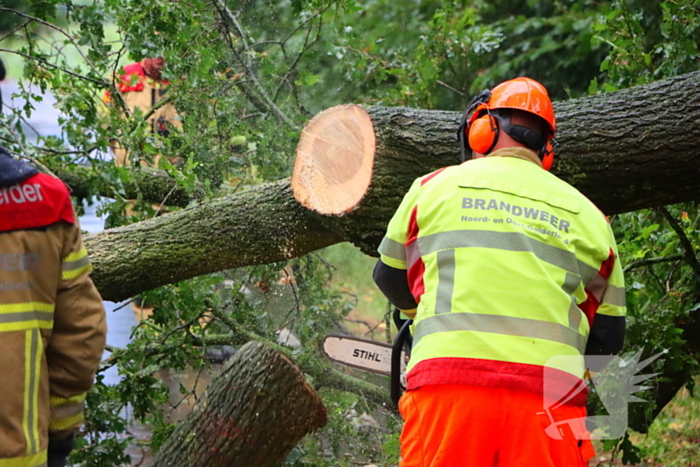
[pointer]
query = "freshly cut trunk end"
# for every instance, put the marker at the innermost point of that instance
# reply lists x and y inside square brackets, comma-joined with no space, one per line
[335,156]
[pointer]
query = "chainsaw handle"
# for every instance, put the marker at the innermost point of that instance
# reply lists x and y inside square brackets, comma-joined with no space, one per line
[398,320]
[403,339]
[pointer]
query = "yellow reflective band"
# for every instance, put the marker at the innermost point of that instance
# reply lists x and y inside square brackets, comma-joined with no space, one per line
[60,424]
[614,295]
[66,411]
[55,401]
[68,275]
[35,460]
[507,241]
[499,324]
[26,306]
[26,316]
[75,264]
[26,325]
[392,249]
[28,373]
[76,255]
[611,310]
[37,355]
[32,367]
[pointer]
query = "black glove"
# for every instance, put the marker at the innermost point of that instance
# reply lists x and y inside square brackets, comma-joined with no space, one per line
[59,449]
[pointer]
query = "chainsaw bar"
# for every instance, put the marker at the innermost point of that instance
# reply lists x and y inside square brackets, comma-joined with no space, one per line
[363,354]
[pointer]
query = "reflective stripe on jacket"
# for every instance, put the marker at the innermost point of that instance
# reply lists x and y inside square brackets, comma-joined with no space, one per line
[509,266]
[52,320]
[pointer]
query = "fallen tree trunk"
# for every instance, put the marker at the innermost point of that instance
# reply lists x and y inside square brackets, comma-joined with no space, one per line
[258,226]
[625,150]
[254,412]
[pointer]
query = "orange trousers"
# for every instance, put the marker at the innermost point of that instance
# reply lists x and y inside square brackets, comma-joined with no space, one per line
[451,425]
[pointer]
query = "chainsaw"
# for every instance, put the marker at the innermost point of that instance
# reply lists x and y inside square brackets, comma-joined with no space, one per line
[375,357]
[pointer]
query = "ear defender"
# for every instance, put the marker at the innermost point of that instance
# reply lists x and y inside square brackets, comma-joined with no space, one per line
[547,155]
[483,133]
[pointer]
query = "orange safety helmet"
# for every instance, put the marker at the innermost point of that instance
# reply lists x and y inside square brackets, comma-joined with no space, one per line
[482,122]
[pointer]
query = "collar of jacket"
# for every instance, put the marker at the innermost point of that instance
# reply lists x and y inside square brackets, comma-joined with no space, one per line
[13,171]
[518,153]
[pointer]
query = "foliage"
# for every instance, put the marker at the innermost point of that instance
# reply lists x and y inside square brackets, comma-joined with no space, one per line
[658,245]
[244,78]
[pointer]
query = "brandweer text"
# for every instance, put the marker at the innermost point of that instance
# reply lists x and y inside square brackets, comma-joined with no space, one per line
[528,213]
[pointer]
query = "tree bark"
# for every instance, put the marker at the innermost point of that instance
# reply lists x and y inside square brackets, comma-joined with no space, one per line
[625,150]
[259,226]
[252,415]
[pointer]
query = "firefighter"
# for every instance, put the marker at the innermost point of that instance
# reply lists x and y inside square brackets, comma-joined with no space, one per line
[142,87]
[503,266]
[52,320]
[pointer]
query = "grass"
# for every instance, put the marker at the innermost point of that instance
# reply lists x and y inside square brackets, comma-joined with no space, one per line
[674,437]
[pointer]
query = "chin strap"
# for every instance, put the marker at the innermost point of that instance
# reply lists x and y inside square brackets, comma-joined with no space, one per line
[522,134]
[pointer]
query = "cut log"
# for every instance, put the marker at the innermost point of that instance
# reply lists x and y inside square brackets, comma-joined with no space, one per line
[335,155]
[253,413]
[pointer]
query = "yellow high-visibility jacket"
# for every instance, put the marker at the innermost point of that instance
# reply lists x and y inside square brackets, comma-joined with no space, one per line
[509,266]
[52,320]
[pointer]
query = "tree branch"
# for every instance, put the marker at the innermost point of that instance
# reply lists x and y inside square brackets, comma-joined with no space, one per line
[689,255]
[47,63]
[151,185]
[648,261]
[9,34]
[269,105]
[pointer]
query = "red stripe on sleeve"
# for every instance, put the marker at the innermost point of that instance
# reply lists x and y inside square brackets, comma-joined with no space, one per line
[590,306]
[416,267]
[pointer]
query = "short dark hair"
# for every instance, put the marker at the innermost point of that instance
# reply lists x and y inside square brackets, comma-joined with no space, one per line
[530,120]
